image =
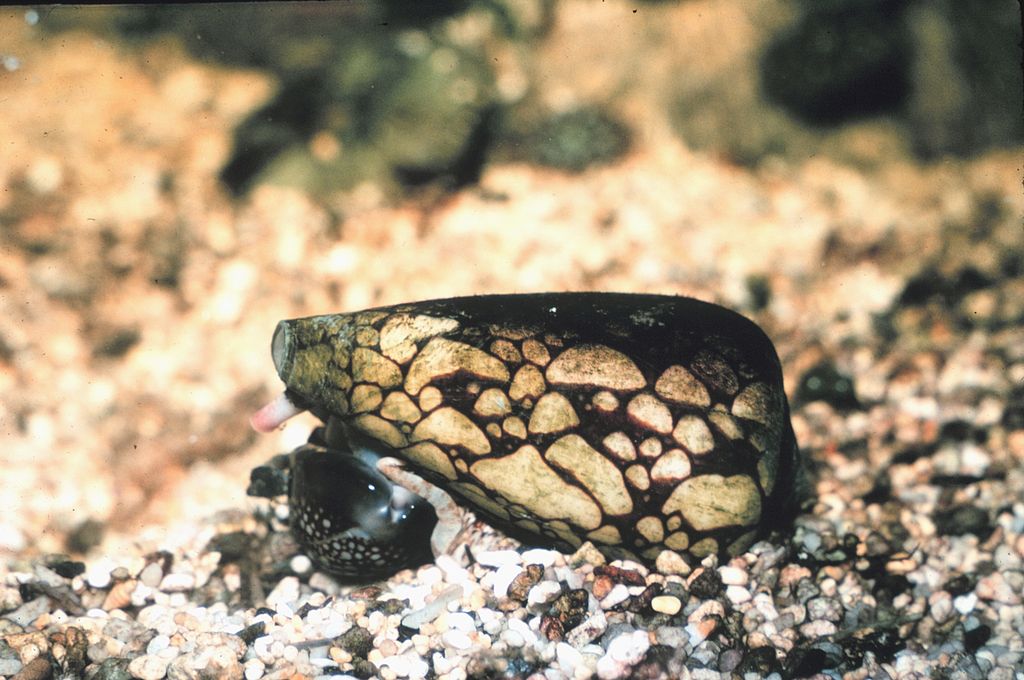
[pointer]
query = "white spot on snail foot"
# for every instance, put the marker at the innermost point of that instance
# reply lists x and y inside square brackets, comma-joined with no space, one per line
[605,401]
[725,423]
[650,447]
[651,528]
[431,457]
[514,426]
[637,476]
[430,398]
[506,351]
[366,397]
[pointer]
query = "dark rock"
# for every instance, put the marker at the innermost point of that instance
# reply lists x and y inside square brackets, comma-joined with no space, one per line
[761,661]
[357,641]
[824,382]
[111,669]
[578,139]
[85,536]
[841,60]
[250,633]
[707,585]
[963,519]
[976,637]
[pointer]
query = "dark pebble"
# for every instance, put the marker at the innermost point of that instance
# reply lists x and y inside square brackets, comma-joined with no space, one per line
[39,668]
[976,637]
[840,61]
[964,519]
[388,607]
[707,585]
[357,641]
[111,669]
[824,382]
[760,661]
[578,139]
[250,633]
[85,536]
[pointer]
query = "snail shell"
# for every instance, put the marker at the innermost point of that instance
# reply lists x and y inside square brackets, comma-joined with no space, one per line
[641,423]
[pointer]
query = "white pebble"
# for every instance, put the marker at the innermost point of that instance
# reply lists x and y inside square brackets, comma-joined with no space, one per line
[148,667]
[254,669]
[461,621]
[624,652]
[545,558]
[666,604]
[543,592]
[513,638]
[456,639]
[737,594]
[151,575]
[733,576]
[503,579]
[178,583]
[523,629]
[285,592]
[158,644]
[619,593]
[301,564]
[965,603]
[568,657]
[497,558]
[441,663]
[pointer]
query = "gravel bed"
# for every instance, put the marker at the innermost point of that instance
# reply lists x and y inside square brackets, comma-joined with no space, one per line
[139,301]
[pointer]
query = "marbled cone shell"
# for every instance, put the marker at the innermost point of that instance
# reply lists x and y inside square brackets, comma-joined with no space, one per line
[637,422]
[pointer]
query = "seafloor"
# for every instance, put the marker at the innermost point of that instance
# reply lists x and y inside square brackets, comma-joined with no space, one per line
[138,297]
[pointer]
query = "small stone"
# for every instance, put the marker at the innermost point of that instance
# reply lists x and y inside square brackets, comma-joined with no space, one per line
[461,621]
[148,667]
[568,657]
[624,652]
[733,576]
[671,562]
[737,594]
[544,558]
[178,583]
[456,639]
[666,604]
[592,628]
[543,592]
[587,554]
[151,575]
[618,594]
[498,558]
[254,669]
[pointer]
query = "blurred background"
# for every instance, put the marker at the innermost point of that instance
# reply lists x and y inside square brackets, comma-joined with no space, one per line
[176,179]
